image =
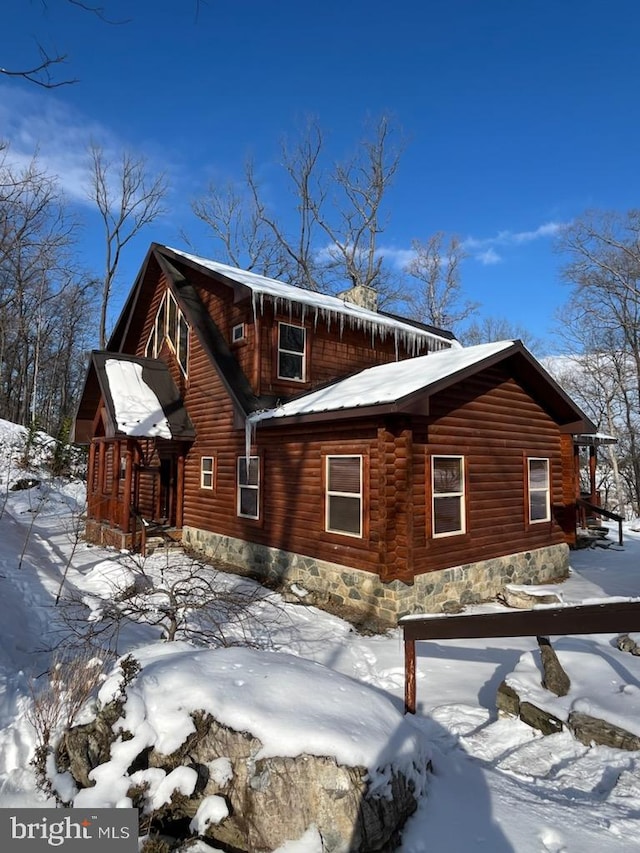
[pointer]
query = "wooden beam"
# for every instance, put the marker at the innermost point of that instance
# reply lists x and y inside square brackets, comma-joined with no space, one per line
[616,618]
[410,676]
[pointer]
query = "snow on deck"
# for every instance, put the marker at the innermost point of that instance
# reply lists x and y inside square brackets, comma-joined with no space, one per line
[384,383]
[137,408]
[327,307]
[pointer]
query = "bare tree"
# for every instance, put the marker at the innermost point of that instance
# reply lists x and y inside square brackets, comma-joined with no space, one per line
[333,241]
[42,71]
[36,271]
[436,266]
[490,329]
[362,185]
[601,250]
[128,198]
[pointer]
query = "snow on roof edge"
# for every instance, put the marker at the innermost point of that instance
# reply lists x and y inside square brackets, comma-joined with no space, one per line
[383,383]
[322,303]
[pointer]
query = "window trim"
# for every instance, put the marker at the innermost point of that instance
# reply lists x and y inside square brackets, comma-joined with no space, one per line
[211,473]
[158,336]
[236,339]
[462,495]
[546,489]
[302,355]
[328,494]
[254,487]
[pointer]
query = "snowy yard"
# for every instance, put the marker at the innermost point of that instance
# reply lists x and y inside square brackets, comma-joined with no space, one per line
[497,785]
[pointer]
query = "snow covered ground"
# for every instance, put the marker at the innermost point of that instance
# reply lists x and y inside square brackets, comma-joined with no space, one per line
[497,785]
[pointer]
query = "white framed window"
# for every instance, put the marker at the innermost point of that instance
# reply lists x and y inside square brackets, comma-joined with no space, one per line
[207,472]
[248,478]
[291,352]
[237,333]
[170,325]
[539,490]
[447,495]
[343,501]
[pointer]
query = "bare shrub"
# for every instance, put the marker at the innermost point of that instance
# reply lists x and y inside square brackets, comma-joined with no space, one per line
[57,705]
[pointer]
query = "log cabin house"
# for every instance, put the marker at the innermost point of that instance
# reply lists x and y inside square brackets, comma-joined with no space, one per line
[307,439]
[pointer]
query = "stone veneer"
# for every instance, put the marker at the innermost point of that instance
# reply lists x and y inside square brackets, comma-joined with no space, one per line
[364,592]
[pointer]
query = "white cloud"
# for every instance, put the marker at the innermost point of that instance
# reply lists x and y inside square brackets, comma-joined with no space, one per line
[488,257]
[39,123]
[483,248]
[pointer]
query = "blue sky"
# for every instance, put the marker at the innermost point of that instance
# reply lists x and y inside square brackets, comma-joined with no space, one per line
[516,116]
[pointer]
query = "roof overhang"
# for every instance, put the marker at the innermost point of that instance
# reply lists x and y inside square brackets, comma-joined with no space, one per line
[98,400]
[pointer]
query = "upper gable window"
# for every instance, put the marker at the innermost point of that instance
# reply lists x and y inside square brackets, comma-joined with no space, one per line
[170,325]
[291,352]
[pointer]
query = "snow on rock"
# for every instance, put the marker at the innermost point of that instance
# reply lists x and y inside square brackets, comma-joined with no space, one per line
[244,689]
[137,408]
[212,809]
[607,688]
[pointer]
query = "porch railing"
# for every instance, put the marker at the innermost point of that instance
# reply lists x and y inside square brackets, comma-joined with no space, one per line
[583,506]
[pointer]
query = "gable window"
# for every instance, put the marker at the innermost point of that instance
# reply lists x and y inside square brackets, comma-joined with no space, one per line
[207,472]
[248,487]
[539,490]
[237,333]
[447,495]
[291,352]
[170,325]
[344,495]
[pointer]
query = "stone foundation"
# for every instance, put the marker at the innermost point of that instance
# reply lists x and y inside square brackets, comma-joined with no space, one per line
[364,593]
[100,533]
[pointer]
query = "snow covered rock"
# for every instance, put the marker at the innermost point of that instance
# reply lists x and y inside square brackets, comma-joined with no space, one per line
[251,749]
[601,704]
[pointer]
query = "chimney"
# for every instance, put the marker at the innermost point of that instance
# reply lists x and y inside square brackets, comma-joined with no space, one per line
[362,295]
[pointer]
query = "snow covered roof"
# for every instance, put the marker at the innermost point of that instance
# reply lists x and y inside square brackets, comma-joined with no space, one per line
[330,308]
[386,383]
[140,397]
[136,406]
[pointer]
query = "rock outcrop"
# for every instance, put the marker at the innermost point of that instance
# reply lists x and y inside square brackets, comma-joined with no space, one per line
[229,792]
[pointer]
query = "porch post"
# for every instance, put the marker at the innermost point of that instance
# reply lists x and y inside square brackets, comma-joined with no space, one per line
[592,474]
[91,495]
[127,492]
[115,483]
[179,490]
[102,451]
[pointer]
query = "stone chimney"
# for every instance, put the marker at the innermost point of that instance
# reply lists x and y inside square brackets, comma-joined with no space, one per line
[362,295]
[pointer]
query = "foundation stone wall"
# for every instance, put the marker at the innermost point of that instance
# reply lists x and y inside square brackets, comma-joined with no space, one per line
[335,585]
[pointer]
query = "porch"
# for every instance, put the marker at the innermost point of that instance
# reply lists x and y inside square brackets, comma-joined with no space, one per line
[134,491]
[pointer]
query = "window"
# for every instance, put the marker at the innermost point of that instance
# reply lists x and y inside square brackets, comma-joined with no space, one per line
[344,495]
[447,495]
[291,350]
[539,497]
[207,472]
[237,333]
[248,486]
[170,325]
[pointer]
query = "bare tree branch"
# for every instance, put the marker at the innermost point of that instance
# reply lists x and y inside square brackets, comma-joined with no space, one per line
[128,199]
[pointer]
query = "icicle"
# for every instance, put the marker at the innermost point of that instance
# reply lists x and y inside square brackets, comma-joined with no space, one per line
[395,340]
[253,305]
